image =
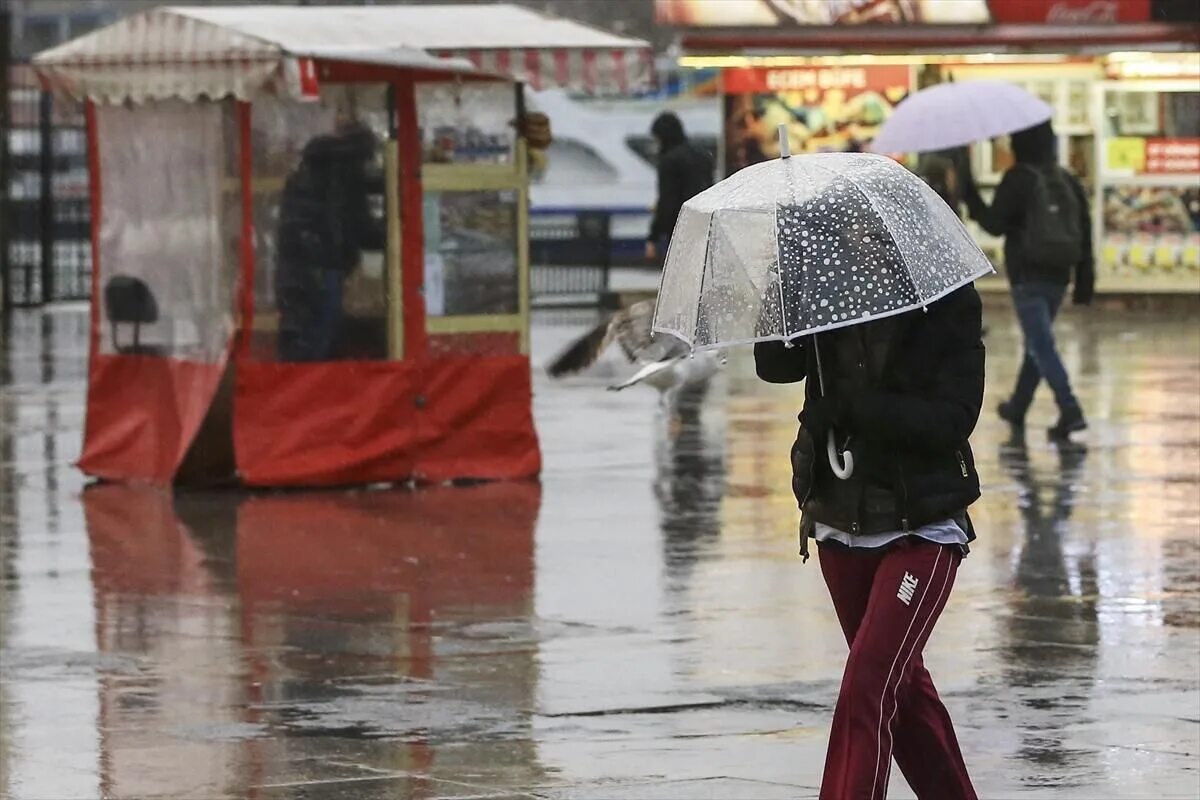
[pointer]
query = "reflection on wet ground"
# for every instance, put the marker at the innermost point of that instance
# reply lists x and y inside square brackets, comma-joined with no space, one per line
[635,626]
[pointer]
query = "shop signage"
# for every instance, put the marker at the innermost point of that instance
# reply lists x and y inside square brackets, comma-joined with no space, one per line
[824,108]
[788,13]
[750,80]
[1151,226]
[1070,12]
[806,13]
[1154,156]
[1126,154]
[1173,156]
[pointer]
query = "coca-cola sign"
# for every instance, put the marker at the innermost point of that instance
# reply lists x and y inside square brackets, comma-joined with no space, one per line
[1070,12]
[1096,11]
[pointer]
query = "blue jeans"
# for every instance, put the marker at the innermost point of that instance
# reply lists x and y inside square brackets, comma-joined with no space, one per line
[329,314]
[1037,304]
[311,319]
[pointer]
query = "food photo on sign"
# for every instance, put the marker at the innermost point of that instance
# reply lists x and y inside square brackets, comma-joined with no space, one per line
[802,13]
[825,109]
[1152,227]
[819,12]
[1151,214]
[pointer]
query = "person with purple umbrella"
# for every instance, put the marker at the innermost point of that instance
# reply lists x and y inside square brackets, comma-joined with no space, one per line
[1042,212]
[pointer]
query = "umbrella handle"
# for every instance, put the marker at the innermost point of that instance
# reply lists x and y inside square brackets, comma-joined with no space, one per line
[842,470]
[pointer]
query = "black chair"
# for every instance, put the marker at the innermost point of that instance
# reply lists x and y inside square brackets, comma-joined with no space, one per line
[129,300]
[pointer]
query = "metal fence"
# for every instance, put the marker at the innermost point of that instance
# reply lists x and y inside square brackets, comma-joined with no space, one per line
[570,258]
[47,254]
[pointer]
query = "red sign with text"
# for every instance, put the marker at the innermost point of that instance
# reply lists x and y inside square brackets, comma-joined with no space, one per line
[1173,156]
[1070,12]
[852,80]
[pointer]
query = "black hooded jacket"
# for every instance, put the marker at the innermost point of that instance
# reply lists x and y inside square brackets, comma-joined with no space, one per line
[907,391]
[1034,148]
[325,223]
[684,171]
[324,215]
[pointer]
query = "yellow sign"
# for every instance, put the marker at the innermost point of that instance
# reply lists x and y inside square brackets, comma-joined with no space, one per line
[1140,254]
[1164,255]
[1191,254]
[1111,253]
[1126,154]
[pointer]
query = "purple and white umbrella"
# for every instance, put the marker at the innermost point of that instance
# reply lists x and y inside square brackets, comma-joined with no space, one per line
[955,114]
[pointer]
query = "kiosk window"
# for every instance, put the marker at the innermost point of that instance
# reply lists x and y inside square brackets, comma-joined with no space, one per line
[471,252]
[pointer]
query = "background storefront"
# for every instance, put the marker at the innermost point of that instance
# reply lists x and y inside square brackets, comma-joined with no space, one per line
[1123,78]
[1147,196]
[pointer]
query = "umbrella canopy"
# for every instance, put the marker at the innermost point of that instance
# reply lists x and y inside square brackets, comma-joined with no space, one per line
[800,245]
[955,114]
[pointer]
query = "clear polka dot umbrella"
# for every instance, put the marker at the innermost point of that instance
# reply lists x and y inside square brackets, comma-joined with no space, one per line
[800,245]
[804,244]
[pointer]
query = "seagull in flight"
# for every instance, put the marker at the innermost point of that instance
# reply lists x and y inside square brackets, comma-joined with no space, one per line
[664,362]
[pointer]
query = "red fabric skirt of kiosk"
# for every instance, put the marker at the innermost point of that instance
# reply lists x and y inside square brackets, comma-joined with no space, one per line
[142,415]
[335,423]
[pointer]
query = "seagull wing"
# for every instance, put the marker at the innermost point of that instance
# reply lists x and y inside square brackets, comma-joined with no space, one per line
[631,329]
[583,352]
[648,371]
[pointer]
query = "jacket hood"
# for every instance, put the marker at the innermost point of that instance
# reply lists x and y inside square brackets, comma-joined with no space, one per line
[356,143]
[1035,145]
[668,129]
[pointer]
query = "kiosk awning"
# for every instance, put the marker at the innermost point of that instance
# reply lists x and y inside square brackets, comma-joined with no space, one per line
[216,51]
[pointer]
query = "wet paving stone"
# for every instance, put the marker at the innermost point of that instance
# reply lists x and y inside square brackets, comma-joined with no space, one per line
[634,625]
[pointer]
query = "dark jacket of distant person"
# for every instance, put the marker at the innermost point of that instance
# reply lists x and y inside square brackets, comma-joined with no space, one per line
[684,171]
[1033,147]
[325,223]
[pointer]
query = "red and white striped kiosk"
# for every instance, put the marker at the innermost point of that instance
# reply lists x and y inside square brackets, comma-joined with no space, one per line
[309,237]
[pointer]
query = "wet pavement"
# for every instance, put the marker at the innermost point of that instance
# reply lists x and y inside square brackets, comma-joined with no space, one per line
[635,626]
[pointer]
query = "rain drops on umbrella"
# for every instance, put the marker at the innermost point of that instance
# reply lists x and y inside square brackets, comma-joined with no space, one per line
[808,243]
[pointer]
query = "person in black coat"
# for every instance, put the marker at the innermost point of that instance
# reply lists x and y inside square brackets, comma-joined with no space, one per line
[902,394]
[906,391]
[684,171]
[325,223]
[1038,283]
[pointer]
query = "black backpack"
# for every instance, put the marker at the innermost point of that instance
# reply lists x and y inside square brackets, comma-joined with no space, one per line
[1052,238]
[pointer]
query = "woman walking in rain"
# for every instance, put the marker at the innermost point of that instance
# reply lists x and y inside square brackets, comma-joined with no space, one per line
[905,392]
[851,274]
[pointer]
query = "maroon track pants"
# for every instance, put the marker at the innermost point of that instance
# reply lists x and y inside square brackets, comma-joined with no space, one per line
[887,602]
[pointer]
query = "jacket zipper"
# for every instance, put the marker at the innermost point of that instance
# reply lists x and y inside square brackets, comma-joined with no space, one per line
[904,497]
[812,476]
[962,463]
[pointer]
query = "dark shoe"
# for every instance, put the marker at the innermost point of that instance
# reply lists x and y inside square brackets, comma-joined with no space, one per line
[1069,422]
[1009,413]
